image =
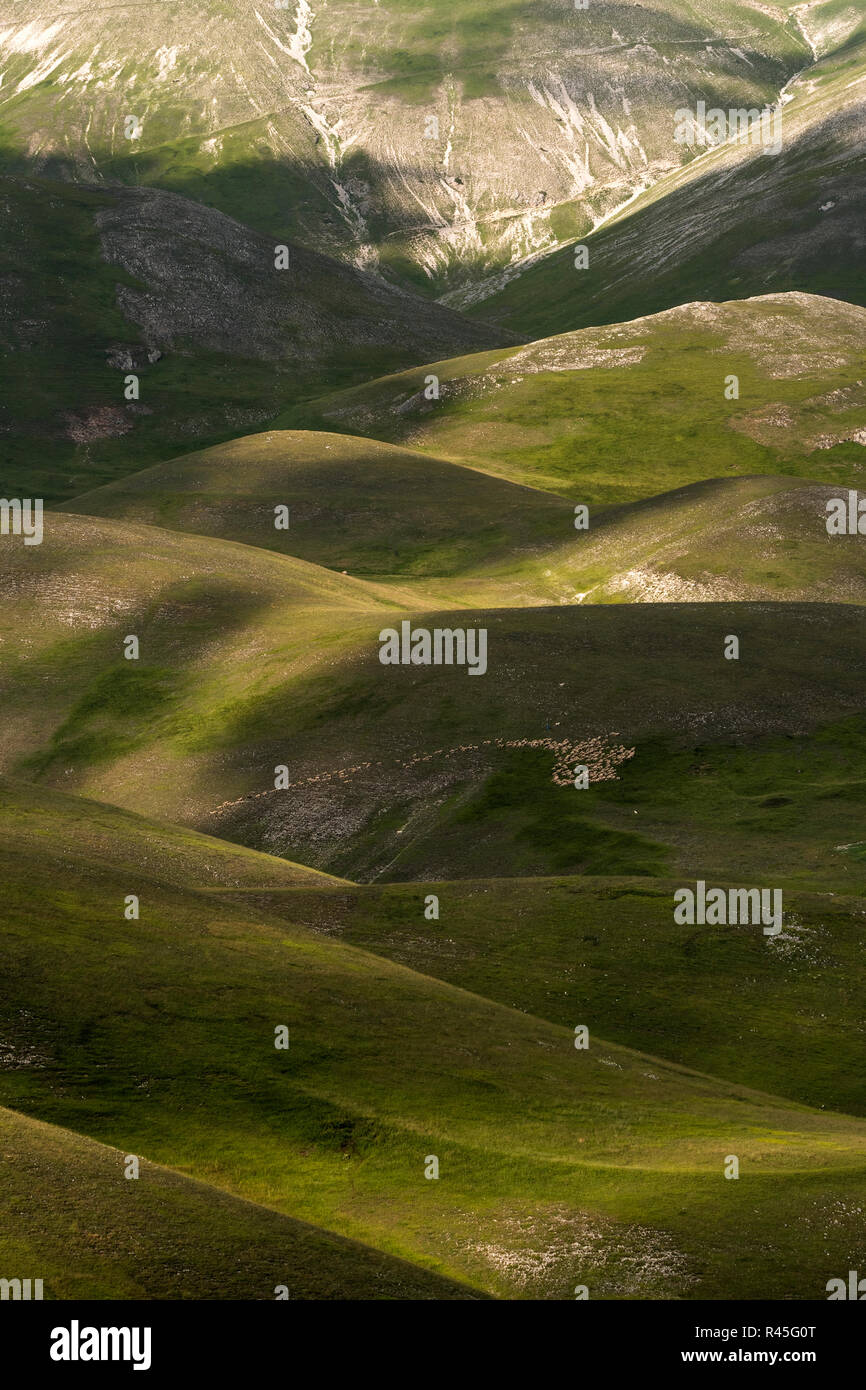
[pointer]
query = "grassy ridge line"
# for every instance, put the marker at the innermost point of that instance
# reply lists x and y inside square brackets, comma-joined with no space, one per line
[36,817]
[355,504]
[634,409]
[94,1234]
[402,517]
[555,1163]
[783,1014]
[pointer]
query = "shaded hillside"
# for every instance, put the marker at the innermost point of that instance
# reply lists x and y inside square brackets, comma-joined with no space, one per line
[355,504]
[780,1012]
[94,1234]
[250,661]
[98,284]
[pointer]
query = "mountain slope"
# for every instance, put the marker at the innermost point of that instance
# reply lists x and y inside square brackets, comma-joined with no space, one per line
[108,837]
[734,222]
[314,122]
[742,539]
[411,773]
[103,283]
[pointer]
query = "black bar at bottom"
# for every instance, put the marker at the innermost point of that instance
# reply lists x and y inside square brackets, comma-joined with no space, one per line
[160,1338]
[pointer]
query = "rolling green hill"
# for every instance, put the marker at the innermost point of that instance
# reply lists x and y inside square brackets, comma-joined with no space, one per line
[299,352]
[782,1013]
[613,414]
[212,618]
[389,514]
[558,1166]
[250,661]
[355,505]
[34,817]
[93,1234]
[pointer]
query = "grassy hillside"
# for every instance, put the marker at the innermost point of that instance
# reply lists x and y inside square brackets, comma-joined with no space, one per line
[783,1013]
[608,415]
[355,505]
[250,660]
[733,774]
[223,819]
[34,817]
[213,620]
[93,1234]
[557,1166]
[380,512]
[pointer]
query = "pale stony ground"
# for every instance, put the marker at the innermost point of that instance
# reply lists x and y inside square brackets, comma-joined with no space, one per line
[597,754]
[548,1252]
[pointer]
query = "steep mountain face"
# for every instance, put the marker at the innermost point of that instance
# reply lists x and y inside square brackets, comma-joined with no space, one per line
[437,143]
[99,283]
[735,222]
